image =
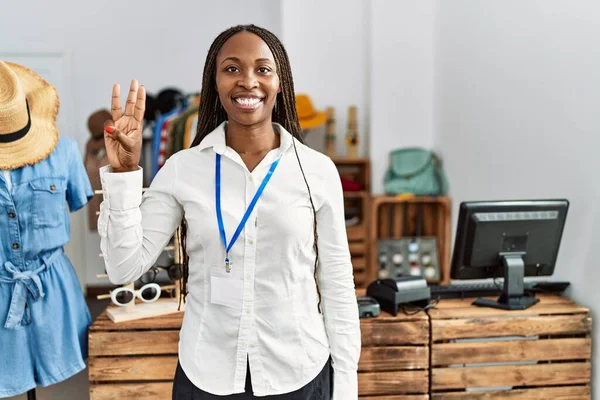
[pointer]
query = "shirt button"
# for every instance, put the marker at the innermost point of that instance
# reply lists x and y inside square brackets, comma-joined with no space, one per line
[15,246]
[11,215]
[251,241]
[52,187]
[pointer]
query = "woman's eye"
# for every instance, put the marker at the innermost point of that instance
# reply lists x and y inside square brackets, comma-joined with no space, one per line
[264,70]
[231,69]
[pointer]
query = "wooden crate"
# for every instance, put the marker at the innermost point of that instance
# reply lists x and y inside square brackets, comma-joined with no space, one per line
[134,359]
[539,353]
[359,170]
[394,361]
[387,221]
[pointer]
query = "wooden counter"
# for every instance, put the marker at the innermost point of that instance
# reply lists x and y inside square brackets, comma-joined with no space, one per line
[137,359]
[456,351]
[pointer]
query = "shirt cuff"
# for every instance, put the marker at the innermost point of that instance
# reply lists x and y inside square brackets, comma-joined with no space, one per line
[345,385]
[123,190]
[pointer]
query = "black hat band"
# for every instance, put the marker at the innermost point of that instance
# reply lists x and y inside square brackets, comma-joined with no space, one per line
[20,134]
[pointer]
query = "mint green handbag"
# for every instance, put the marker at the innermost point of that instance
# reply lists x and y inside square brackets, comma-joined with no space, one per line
[415,170]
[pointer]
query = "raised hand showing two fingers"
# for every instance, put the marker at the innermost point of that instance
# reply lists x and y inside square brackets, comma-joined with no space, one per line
[123,135]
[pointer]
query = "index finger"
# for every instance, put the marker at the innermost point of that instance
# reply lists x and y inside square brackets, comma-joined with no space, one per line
[140,104]
[115,103]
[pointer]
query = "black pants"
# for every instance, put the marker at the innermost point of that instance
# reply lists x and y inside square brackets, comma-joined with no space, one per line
[320,388]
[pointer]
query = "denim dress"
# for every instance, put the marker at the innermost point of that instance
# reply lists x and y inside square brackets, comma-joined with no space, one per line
[44,318]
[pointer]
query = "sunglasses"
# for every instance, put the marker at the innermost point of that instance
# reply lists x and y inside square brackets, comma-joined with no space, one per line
[174,272]
[124,296]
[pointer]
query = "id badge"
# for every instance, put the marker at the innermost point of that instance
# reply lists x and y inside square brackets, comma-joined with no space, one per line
[225,290]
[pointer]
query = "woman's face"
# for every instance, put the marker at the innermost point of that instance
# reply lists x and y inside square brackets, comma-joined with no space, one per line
[247,80]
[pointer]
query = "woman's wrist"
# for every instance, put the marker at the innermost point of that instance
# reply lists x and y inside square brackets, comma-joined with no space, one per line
[124,169]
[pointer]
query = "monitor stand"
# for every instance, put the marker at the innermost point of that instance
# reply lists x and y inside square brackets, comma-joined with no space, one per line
[512,297]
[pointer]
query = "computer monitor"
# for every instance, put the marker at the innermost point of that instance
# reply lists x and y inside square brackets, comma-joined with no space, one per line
[509,239]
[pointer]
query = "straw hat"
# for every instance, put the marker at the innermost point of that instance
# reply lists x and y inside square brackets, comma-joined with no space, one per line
[308,116]
[28,109]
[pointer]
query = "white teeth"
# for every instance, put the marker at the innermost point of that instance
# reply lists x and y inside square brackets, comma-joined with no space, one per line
[248,101]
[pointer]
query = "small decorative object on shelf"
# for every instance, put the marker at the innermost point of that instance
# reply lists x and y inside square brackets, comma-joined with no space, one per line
[352,134]
[330,132]
[150,304]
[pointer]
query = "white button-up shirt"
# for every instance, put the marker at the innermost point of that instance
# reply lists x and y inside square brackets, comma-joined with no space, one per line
[277,327]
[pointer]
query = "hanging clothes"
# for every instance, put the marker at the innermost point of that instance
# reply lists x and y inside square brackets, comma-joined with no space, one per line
[160,131]
[179,126]
[191,126]
[173,127]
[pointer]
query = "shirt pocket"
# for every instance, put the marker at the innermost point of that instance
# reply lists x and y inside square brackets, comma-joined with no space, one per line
[48,202]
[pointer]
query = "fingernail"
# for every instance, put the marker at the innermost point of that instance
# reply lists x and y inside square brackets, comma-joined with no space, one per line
[109,129]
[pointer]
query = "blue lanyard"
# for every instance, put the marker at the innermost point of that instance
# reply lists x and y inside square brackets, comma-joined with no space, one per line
[261,188]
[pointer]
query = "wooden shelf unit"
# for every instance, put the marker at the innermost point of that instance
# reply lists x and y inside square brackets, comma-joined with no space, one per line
[358,170]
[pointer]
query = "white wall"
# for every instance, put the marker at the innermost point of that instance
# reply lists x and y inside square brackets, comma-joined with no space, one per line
[327,42]
[160,45]
[377,55]
[401,79]
[516,114]
[517,106]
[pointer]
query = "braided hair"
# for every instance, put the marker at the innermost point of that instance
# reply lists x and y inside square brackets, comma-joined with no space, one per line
[211,114]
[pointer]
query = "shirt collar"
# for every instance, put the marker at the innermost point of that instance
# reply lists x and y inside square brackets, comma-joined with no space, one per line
[216,138]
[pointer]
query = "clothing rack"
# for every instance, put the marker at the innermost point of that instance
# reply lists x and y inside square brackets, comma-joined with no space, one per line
[168,133]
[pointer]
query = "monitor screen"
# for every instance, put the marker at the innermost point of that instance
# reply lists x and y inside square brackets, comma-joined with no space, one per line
[489,230]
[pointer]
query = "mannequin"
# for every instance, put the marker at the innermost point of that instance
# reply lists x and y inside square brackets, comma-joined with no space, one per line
[44,318]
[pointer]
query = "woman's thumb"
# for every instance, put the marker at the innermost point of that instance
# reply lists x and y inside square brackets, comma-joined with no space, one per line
[120,137]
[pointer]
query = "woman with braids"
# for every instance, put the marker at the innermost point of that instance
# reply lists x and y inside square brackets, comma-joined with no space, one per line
[271,310]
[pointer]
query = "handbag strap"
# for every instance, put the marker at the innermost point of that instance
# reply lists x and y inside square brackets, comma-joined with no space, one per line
[422,168]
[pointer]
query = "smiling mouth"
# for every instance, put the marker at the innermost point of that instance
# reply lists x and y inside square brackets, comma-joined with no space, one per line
[248,103]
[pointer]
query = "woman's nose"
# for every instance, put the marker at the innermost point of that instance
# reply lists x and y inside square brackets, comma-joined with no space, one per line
[248,80]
